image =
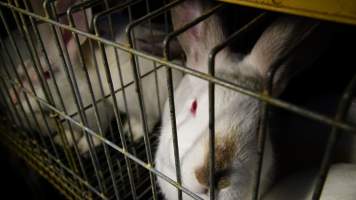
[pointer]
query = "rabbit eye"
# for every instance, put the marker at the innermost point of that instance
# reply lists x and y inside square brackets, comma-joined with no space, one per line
[46,75]
[193,107]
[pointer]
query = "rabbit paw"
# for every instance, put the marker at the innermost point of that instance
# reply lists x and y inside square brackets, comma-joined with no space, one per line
[83,145]
[58,139]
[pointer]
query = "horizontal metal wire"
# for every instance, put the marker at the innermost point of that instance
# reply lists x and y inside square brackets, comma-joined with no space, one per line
[117,148]
[272,101]
[106,186]
[29,154]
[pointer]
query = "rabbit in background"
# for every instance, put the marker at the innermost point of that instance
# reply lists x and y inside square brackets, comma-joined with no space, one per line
[236,115]
[54,75]
[152,44]
[105,110]
[28,76]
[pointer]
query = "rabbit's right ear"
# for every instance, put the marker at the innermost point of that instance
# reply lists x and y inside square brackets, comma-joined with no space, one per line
[276,41]
[201,38]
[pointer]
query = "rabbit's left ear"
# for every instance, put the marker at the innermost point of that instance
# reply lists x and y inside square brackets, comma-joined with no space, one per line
[277,40]
[198,40]
[80,22]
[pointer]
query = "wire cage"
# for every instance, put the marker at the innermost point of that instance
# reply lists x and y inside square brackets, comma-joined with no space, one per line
[72,112]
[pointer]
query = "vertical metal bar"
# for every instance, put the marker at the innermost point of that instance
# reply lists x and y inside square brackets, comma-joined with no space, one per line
[154,63]
[18,53]
[117,8]
[16,116]
[5,103]
[166,43]
[61,102]
[86,4]
[138,84]
[98,119]
[211,67]
[106,3]
[108,12]
[139,91]
[173,115]
[14,89]
[112,92]
[6,88]
[342,109]
[129,10]
[118,118]
[10,114]
[37,66]
[60,128]
[49,8]
[267,90]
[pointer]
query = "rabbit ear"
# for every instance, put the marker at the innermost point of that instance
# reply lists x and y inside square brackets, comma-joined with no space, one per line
[79,23]
[276,41]
[201,38]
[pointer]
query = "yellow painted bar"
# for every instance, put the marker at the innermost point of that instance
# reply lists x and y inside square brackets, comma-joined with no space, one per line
[343,11]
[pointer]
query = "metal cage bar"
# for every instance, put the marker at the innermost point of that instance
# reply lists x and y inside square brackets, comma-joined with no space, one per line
[342,109]
[211,64]
[274,102]
[110,171]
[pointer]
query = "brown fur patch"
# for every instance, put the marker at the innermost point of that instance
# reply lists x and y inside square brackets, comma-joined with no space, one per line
[225,149]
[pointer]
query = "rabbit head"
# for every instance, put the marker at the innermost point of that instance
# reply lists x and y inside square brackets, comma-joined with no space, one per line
[33,74]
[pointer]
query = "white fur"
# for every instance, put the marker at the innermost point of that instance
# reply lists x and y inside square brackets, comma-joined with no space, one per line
[235,114]
[105,108]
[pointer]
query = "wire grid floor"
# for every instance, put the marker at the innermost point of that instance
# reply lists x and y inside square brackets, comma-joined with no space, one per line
[71,186]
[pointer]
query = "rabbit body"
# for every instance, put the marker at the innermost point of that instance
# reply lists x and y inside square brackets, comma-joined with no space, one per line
[105,109]
[236,114]
[235,119]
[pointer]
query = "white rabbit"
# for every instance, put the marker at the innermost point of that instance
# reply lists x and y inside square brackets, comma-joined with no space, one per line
[150,44]
[148,85]
[339,185]
[63,83]
[236,115]
[48,40]
[105,109]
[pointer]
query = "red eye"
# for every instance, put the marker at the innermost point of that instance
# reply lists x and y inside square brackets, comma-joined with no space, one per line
[193,107]
[46,75]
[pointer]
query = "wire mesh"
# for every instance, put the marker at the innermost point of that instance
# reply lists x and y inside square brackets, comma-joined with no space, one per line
[79,129]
